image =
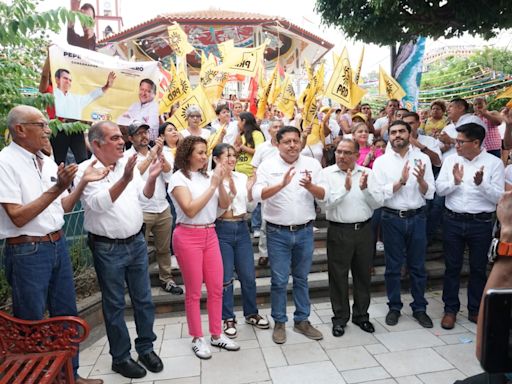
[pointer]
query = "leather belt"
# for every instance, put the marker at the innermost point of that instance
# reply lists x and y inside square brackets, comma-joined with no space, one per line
[23,239]
[470,216]
[291,228]
[108,240]
[212,225]
[404,214]
[354,226]
[231,219]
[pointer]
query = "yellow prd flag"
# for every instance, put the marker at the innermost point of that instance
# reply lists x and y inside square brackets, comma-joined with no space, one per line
[341,87]
[178,40]
[243,61]
[335,58]
[262,84]
[313,90]
[196,97]
[390,87]
[506,94]
[179,87]
[317,133]
[224,48]
[357,75]
[263,100]
[286,99]
[309,73]
[212,80]
[275,88]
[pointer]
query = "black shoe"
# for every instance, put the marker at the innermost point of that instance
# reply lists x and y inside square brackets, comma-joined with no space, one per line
[172,288]
[424,320]
[392,317]
[129,368]
[365,325]
[338,330]
[152,362]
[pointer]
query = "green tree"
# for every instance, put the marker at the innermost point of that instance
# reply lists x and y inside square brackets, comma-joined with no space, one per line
[23,43]
[386,22]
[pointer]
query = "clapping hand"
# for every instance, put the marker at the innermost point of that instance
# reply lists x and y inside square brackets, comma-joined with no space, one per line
[479,176]
[458,173]
[65,175]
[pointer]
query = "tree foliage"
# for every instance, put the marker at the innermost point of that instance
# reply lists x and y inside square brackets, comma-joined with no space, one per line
[386,22]
[23,44]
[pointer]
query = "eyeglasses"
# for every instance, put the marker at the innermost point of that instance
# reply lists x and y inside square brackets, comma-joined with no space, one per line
[39,124]
[344,153]
[461,142]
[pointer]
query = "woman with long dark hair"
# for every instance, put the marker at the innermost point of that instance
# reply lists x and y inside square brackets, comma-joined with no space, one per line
[197,194]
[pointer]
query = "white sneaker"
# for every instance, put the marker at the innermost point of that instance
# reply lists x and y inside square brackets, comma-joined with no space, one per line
[224,342]
[379,246]
[256,234]
[201,348]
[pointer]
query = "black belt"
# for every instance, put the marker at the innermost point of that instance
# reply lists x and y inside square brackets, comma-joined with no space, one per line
[470,216]
[354,226]
[404,214]
[291,228]
[104,239]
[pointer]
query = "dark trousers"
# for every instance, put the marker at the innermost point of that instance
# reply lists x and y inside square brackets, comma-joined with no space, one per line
[62,141]
[349,249]
[477,235]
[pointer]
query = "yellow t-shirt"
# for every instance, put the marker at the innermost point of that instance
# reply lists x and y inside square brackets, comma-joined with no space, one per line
[243,164]
[433,125]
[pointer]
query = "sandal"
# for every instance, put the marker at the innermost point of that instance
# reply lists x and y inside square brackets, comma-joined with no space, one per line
[257,321]
[230,328]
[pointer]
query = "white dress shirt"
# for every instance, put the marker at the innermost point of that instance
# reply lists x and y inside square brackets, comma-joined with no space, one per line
[427,141]
[205,133]
[508,174]
[158,203]
[113,219]
[197,185]
[240,202]
[451,129]
[388,170]
[21,182]
[147,113]
[70,106]
[353,206]
[263,152]
[292,205]
[467,197]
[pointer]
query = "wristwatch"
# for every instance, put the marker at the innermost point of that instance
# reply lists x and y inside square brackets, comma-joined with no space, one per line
[499,249]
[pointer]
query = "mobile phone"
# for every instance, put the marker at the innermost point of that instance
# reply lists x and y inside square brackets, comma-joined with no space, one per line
[496,354]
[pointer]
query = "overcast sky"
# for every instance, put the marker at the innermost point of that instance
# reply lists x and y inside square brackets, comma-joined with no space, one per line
[300,12]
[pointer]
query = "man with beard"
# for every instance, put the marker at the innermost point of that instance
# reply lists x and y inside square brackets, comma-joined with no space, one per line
[405,179]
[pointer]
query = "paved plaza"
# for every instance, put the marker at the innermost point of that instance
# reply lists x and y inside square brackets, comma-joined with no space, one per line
[403,354]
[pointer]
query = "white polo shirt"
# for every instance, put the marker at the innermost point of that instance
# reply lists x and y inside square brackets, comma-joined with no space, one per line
[263,152]
[21,182]
[292,205]
[119,219]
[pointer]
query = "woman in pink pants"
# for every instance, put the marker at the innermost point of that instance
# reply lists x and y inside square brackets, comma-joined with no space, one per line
[197,194]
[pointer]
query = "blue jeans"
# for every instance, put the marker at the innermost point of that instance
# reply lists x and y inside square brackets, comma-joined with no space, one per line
[256,218]
[477,235]
[290,250]
[236,249]
[435,208]
[41,275]
[116,264]
[405,240]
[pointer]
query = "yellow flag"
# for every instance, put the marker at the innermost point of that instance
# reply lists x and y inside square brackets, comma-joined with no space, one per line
[224,48]
[286,99]
[317,133]
[196,97]
[262,84]
[179,87]
[178,40]
[389,87]
[357,75]
[275,88]
[243,61]
[212,80]
[263,100]
[335,58]
[313,90]
[341,87]
[506,94]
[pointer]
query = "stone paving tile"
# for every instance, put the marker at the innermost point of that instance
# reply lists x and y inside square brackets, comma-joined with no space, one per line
[462,357]
[413,362]
[399,341]
[408,380]
[364,375]
[444,377]
[351,358]
[182,380]
[405,323]
[375,349]
[322,372]
[353,336]
[274,356]
[303,353]
[174,368]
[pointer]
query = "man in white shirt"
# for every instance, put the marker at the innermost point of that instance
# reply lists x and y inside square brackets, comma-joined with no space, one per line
[113,217]
[458,114]
[382,123]
[33,199]
[157,212]
[263,152]
[145,110]
[284,183]
[350,201]
[405,179]
[472,181]
[69,105]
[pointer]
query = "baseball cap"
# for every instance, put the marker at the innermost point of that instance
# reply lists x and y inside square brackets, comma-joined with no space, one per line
[134,127]
[361,116]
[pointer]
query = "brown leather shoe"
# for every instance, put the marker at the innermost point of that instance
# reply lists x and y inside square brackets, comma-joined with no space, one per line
[448,320]
[81,380]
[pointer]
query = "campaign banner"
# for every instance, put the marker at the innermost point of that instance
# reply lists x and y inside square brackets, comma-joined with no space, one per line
[91,86]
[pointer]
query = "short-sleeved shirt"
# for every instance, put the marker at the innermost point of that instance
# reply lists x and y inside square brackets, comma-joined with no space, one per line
[243,164]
